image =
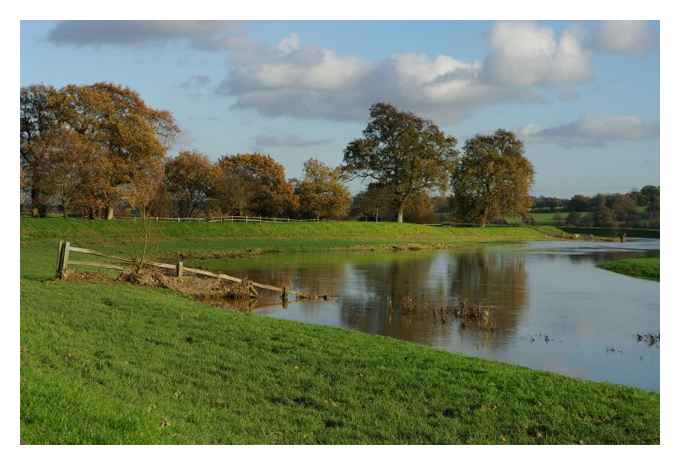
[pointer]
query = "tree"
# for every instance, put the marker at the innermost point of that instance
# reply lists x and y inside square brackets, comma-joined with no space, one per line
[191,179]
[321,192]
[66,160]
[375,203]
[145,185]
[604,216]
[649,195]
[37,117]
[579,203]
[420,209]
[264,184]
[132,137]
[402,152]
[233,193]
[492,179]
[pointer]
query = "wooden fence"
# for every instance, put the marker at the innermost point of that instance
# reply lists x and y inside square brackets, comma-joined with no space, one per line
[64,261]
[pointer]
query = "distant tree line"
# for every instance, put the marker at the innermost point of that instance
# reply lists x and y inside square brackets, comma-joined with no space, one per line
[99,150]
[637,208]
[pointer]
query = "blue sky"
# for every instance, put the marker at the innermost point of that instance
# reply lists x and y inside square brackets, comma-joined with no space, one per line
[584,96]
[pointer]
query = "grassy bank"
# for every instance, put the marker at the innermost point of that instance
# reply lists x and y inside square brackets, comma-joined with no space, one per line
[201,239]
[116,363]
[644,267]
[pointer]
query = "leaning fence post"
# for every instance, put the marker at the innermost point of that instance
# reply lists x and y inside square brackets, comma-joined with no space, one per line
[180,268]
[63,259]
[60,251]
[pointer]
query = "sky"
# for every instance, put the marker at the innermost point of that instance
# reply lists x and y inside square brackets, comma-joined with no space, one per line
[582,95]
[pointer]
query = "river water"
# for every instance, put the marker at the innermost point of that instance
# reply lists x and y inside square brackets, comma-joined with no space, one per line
[551,308]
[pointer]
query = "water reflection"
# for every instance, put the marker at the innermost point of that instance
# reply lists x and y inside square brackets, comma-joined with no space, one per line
[550,306]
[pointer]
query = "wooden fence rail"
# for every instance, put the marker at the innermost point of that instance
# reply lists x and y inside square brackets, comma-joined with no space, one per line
[64,261]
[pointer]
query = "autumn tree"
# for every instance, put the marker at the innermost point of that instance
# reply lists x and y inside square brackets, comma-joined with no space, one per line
[492,178]
[262,184]
[132,137]
[233,192]
[322,192]
[191,179]
[67,159]
[402,152]
[37,117]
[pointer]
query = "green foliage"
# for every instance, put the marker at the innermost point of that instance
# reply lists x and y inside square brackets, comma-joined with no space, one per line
[401,152]
[492,179]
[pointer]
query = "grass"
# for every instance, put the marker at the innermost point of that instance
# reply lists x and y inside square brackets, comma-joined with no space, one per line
[115,363]
[645,267]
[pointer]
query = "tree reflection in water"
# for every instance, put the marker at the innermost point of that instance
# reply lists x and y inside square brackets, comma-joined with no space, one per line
[402,298]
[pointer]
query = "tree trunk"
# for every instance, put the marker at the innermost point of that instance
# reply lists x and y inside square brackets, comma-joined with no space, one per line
[485,214]
[109,212]
[400,215]
[37,208]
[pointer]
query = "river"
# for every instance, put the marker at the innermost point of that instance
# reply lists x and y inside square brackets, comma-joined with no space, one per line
[550,307]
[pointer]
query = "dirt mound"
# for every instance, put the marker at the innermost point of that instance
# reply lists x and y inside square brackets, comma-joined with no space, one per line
[86,276]
[202,288]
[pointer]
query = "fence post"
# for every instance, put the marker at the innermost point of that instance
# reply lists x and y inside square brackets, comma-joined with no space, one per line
[60,251]
[63,259]
[180,268]
[246,218]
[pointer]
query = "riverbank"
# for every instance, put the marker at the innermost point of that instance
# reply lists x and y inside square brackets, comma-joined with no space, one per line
[202,238]
[643,267]
[118,363]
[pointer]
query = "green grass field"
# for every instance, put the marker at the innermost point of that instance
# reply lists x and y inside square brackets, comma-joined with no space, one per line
[116,363]
[645,267]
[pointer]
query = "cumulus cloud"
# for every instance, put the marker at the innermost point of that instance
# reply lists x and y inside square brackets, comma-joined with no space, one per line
[306,81]
[291,78]
[626,37]
[592,131]
[527,54]
[288,141]
[207,35]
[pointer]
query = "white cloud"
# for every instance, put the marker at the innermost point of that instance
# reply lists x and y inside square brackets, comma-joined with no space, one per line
[303,81]
[626,37]
[294,79]
[289,43]
[527,54]
[592,130]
